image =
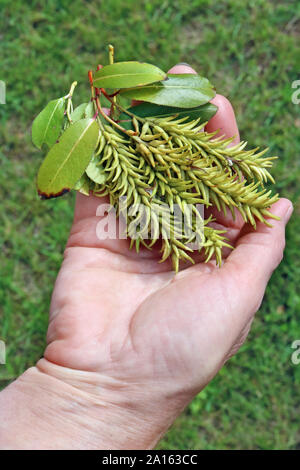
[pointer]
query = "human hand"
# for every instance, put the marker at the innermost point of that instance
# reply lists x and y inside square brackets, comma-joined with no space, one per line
[139,341]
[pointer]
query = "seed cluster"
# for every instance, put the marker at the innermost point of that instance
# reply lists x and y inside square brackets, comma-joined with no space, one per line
[168,162]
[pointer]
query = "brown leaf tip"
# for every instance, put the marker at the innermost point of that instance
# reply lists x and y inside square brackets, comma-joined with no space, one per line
[52,195]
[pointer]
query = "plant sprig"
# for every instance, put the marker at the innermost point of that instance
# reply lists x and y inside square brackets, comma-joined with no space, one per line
[153,158]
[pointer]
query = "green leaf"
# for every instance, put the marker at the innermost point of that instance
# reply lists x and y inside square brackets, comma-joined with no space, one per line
[83,185]
[89,110]
[95,171]
[47,125]
[127,74]
[68,159]
[144,110]
[78,112]
[179,90]
[84,110]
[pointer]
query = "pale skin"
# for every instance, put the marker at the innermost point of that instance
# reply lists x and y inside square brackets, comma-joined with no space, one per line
[129,343]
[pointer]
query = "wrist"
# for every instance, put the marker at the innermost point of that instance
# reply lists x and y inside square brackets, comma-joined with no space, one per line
[120,415]
[41,412]
[53,407]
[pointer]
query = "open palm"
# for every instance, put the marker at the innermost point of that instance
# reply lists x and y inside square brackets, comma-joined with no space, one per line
[129,320]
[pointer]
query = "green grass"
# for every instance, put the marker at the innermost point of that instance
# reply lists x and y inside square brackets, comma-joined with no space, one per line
[250,51]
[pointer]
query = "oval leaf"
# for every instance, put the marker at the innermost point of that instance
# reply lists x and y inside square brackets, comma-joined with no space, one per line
[144,110]
[127,74]
[47,125]
[83,185]
[179,90]
[68,159]
[84,110]
[95,171]
[89,110]
[78,112]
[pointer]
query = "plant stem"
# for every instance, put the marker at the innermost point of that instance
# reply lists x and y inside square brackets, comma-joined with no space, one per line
[90,75]
[111,121]
[111,55]
[123,109]
[69,104]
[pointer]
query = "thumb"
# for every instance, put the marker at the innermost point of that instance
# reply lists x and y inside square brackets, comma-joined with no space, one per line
[257,253]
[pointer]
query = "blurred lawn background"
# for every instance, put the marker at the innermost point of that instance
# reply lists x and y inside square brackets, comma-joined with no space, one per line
[250,51]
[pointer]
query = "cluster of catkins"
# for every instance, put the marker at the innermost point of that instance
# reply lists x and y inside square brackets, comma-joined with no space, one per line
[162,176]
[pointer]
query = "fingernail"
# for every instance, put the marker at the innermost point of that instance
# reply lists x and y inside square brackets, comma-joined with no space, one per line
[288,214]
[184,63]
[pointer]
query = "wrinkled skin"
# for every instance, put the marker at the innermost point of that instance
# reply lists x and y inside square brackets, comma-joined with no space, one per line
[123,318]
